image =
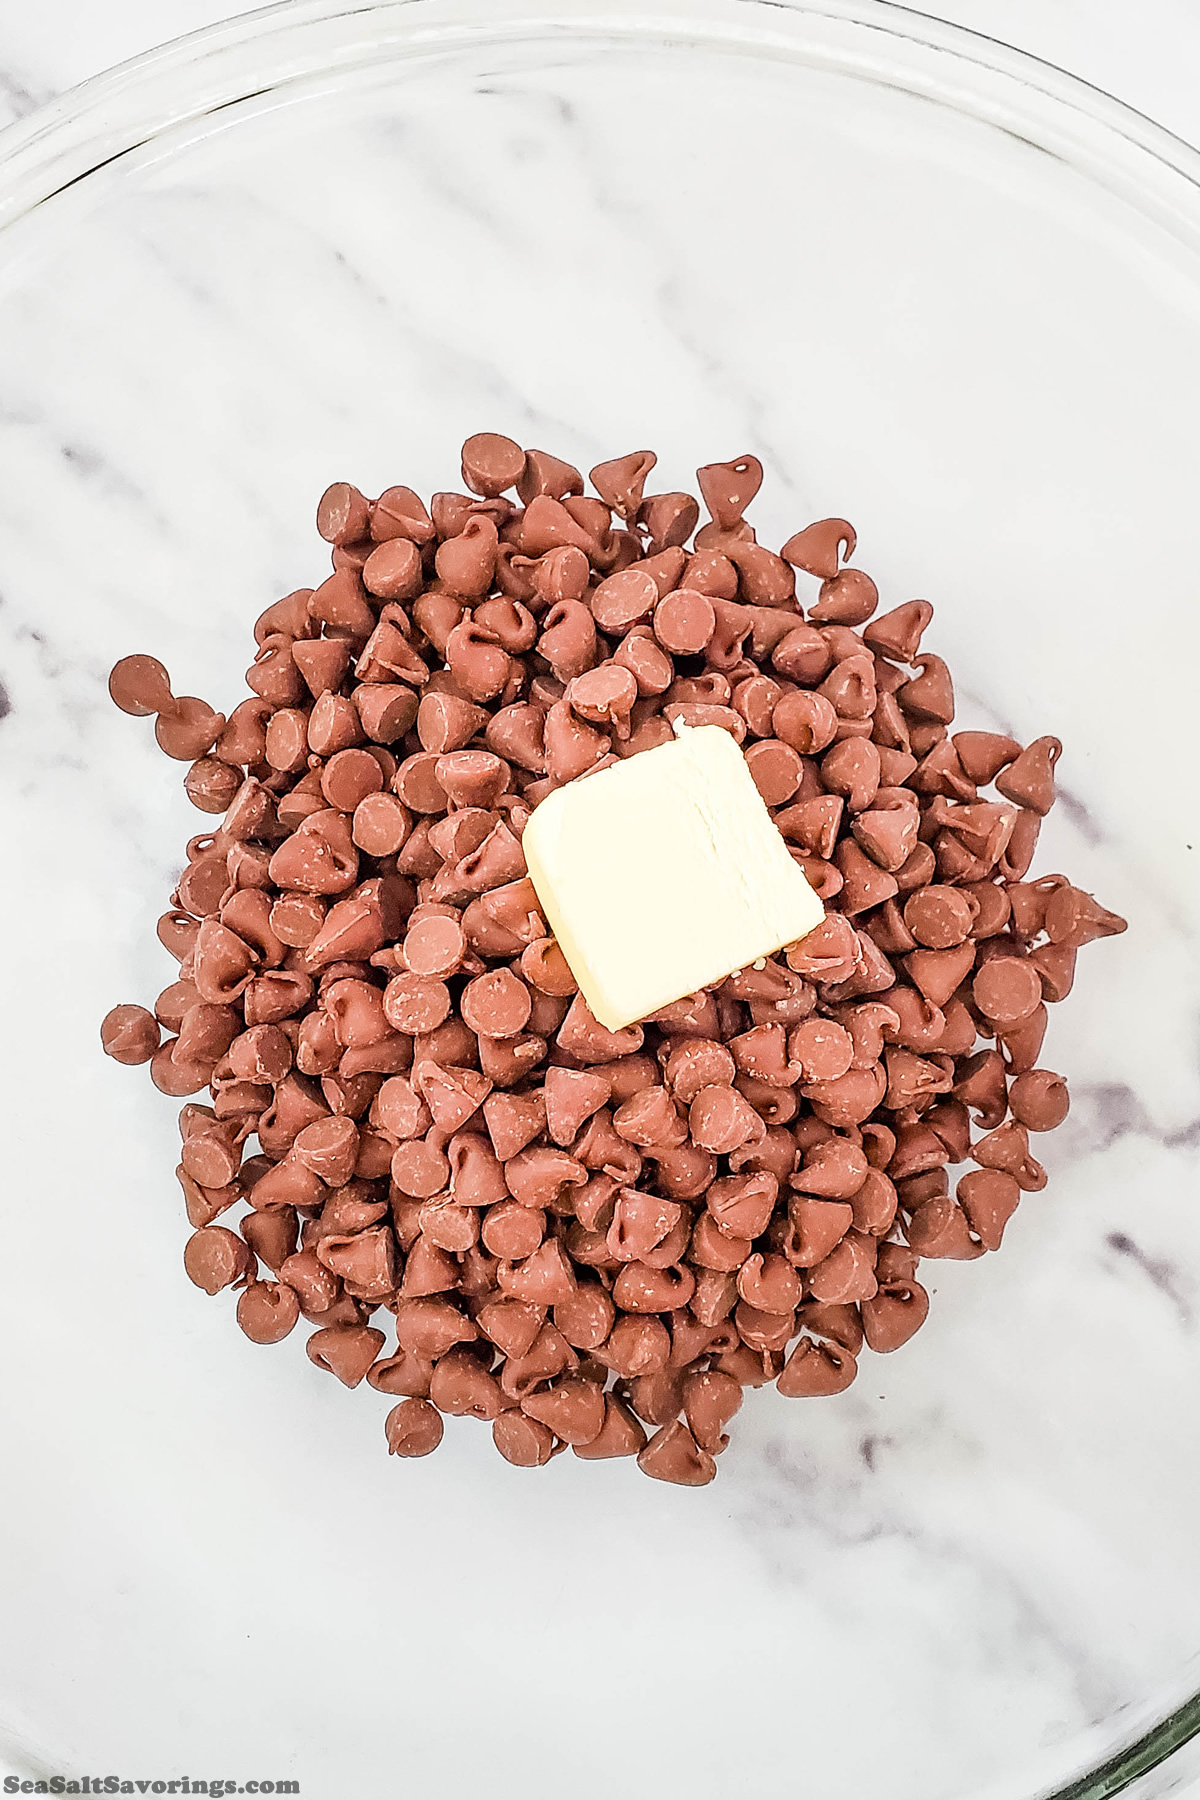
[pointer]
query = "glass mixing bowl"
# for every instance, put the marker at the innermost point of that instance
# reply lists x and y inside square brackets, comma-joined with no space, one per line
[935,286]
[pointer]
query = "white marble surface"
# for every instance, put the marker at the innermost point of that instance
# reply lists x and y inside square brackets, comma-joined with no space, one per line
[1146,54]
[974,1572]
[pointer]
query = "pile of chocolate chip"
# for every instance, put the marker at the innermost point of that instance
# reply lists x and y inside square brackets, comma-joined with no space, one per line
[588,1237]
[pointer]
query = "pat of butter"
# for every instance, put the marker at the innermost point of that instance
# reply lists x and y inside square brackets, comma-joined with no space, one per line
[663,874]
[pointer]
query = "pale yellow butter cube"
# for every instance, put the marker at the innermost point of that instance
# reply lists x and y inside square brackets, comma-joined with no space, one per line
[663,874]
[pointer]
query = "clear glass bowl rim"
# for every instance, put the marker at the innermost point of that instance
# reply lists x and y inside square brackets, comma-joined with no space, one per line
[277,50]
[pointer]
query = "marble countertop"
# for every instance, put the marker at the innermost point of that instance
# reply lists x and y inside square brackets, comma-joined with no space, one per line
[1146,54]
[974,1572]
